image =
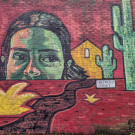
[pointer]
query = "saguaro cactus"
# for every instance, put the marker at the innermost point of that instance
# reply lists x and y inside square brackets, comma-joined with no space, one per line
[108,64]
[126,33]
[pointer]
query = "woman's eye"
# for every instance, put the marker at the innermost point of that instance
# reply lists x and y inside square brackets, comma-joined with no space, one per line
[20,57]
[49,59]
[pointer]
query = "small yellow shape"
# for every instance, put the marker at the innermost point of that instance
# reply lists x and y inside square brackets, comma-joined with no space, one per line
[11,101]
[84,56]
[91,98]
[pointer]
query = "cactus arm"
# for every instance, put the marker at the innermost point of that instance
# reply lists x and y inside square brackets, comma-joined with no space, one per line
[127,34]
[133,33]
[108,64]
[114,64]
[117,44]
[98,60]
[116,19]
[111,53]
[127,16]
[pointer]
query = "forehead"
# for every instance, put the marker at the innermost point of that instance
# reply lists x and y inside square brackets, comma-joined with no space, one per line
[35,38]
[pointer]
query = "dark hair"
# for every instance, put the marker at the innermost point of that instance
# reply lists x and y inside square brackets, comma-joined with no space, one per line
[49,22]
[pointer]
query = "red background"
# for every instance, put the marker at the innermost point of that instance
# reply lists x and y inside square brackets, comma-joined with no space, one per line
[114,111]
[85,19]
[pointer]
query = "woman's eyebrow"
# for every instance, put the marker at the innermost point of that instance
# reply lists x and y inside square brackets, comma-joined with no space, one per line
[48,50]
[21,49]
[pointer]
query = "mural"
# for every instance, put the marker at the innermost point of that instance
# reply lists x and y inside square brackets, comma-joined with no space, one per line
[67,67]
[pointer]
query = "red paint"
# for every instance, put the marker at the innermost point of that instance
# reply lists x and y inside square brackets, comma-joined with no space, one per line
[116,107]
[82,19]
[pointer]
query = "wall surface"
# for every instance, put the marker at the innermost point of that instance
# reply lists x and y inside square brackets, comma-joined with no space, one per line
[67,66]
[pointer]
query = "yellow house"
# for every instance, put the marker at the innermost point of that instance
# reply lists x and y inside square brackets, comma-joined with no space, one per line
[84,56]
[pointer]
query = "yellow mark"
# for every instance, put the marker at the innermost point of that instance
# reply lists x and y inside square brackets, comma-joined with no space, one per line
[11,102]
[91,98]
[84,56]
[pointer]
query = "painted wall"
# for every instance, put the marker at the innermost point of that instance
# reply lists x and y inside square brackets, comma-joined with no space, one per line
[67,66]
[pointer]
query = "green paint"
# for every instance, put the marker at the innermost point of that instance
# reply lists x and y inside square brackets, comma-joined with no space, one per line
[44,48]
[108,64]
[125,31]
[92,2]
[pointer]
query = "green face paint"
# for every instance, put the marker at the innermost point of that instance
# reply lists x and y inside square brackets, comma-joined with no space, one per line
[35,54]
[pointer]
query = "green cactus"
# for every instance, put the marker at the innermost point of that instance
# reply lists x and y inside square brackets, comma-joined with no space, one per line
[108,64]
[125,32]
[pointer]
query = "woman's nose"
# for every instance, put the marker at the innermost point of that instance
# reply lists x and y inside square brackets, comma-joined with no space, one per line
[31,69]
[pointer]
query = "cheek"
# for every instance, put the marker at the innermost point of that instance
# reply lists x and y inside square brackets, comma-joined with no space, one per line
[11,67]
[53,72]
[16,68]
[12,70]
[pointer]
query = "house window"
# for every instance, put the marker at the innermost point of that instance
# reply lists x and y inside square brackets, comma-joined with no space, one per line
[86,53]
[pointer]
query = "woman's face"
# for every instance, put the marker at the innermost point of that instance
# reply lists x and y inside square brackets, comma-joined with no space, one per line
[35,54]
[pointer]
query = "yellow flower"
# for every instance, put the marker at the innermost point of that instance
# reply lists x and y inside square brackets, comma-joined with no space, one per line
[11,101]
